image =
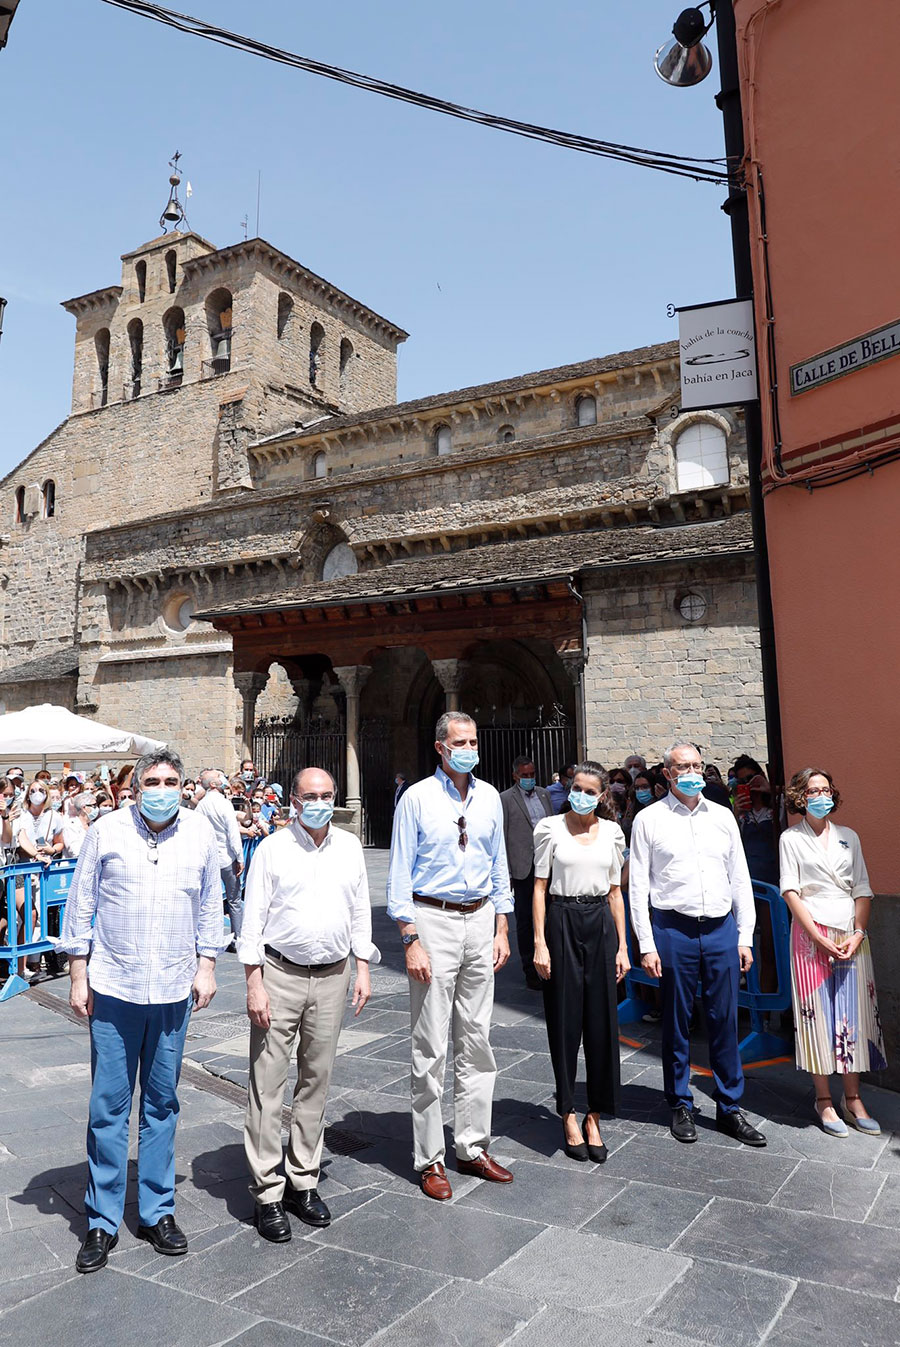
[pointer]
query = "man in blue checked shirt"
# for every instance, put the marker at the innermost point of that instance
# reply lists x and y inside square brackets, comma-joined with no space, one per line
[449,893]
[143,927]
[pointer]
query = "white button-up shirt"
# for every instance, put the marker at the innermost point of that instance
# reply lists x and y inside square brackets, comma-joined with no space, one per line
[689,861]
[309,902]
[152,918]
[220,813]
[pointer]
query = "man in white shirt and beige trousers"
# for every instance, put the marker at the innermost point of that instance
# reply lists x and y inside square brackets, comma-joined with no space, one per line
[691,901]
[306,909]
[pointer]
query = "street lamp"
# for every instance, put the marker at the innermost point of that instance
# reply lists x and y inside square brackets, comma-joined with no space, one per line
[675,64]
[2,311]
[684,60]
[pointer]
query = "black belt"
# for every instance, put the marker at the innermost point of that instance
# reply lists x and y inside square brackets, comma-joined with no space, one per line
[302,967]
[579,897]
[448,905]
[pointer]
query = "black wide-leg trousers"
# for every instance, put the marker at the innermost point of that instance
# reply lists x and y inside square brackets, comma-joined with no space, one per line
[580,1002]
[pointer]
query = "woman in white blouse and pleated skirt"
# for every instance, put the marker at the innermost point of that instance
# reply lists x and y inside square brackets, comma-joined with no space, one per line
[825,884]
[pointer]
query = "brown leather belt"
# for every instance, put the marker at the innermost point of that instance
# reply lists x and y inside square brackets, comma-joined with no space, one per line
[274,953]
[448,905]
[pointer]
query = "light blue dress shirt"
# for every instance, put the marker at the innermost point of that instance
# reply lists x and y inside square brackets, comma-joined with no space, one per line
[425,853]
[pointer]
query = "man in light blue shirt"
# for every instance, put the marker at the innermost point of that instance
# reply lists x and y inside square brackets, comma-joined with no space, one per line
[448,890]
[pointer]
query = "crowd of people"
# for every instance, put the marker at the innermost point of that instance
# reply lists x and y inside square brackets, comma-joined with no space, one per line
[575,864]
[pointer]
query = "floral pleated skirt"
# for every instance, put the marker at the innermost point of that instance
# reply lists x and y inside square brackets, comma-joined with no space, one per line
[836,1019]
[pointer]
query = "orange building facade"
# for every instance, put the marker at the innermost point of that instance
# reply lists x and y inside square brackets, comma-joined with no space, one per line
[821,126]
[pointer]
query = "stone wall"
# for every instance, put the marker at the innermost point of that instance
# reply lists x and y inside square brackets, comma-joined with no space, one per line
[652,677]
[19,696]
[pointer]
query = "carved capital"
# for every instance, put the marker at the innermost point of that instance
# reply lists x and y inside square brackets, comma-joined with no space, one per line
[352,677]
[306,690]
[573,662]
[249,684]
[450,673]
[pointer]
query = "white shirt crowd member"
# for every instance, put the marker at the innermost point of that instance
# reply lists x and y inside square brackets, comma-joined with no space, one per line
[828,879]
[689,861]
[220,814]
[578,870]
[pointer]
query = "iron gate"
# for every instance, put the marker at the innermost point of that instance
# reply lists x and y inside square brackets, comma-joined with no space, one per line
[547,745]
[376,783]
[280,750]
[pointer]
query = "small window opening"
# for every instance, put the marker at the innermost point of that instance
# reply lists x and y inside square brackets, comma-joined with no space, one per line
[20,505]
[443,440]
[218,322]
[140,271]
[175,335]
[506,435]
[101,346]
[285,312]
[586,410]
[132,388]
[346,355]
[48,499]
[320,464]
[316,354]
[170,270]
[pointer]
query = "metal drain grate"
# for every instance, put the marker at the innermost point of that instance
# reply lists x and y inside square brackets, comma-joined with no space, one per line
[341,1142]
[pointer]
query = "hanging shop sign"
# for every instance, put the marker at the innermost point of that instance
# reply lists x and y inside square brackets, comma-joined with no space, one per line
[718,353]
[856,354]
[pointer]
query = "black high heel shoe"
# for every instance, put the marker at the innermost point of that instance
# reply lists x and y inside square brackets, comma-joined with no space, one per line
[598,1154]
[578,1151]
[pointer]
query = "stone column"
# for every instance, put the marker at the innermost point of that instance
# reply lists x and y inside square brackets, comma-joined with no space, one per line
[249,685]
[573,663]
[450,674]
[352,678]
[306,690]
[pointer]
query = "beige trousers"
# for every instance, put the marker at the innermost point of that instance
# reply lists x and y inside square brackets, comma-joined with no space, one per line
[460,995]
[306,1010]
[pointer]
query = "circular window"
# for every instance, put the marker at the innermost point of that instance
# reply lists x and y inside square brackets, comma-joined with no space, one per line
[178,613]
[692,606]
[341,561]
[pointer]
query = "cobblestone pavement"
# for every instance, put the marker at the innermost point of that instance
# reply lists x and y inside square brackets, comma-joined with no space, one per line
[667,1245]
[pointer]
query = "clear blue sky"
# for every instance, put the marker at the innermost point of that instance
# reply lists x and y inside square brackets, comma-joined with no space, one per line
[497,255]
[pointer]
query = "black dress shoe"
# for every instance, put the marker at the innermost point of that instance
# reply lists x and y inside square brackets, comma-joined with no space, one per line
[736,1125]
[599,1154]
[306,1203]
[683,1127]
[271,1222]
[94,1252]
[575,1150]
[164,1236]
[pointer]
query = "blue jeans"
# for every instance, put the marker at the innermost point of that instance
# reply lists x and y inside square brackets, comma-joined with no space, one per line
[693,951]
[125,1036]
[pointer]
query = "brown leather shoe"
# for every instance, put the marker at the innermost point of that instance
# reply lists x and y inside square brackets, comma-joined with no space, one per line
[434,1182]
[483,1167]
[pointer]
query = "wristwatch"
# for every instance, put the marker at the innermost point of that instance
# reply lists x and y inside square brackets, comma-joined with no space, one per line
[409,938]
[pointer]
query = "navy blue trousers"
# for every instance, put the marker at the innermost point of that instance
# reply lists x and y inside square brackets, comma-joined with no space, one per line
[704,952]
[126,1039]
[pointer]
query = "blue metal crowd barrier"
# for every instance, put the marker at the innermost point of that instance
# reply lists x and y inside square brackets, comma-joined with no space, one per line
[760,1044]
[42,889]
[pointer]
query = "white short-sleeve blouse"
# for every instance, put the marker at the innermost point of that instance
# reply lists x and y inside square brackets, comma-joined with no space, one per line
[828,878]
[578,869]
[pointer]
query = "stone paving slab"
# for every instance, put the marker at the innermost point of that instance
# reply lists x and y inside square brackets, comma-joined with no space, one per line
[663,1246]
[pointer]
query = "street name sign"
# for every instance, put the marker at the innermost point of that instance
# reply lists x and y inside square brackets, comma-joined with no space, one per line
[840,360]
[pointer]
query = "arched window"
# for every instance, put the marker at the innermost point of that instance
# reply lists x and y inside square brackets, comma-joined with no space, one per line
[320,464]
[586,410]
[701,456]
[443,440]
[20,505]
[285,311]
[170,270]
[132,388]
[218,322]
[506,435]
[175,334]
[140,273]
[101,346]
[340,561]
[346,356]
[48,499]
[316,352]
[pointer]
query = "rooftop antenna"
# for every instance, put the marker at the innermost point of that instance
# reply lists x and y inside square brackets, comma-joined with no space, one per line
[258,191]
[244,225]
[174,212]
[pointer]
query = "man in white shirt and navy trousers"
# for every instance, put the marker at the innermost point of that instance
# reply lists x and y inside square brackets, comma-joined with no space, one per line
[692,909]
[306,909]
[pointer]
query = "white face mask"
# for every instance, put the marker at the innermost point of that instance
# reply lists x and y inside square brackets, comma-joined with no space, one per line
[37,796]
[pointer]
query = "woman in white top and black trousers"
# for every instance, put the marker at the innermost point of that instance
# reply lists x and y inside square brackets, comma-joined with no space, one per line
[825,884]
[581,952]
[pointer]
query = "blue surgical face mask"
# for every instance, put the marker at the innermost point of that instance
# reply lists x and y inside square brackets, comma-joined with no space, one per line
[690,784]
[92,812]
[462,759]
[819,805]
[581,802]
[643,796]
[160,803]
[527,782]
[316,813]
[125,804]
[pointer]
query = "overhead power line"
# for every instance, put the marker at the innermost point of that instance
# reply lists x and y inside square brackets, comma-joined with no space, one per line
[683,166]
